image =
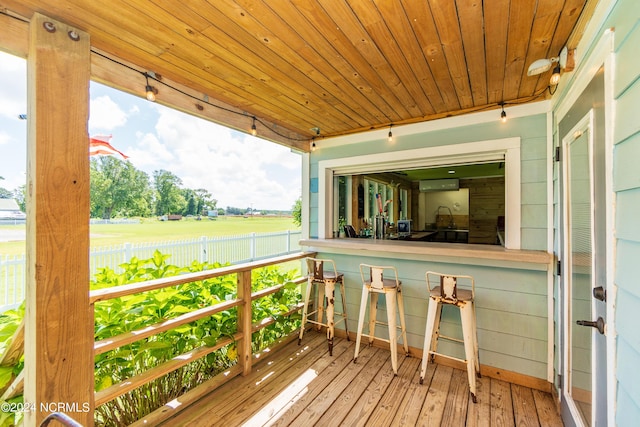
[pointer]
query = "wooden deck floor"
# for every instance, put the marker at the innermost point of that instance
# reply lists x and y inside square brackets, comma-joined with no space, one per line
[304,386]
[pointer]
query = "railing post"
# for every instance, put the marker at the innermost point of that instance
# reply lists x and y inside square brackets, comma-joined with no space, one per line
[203,249]
[127,252]
[244,321]
[59,330]
[288,241]
[252,256]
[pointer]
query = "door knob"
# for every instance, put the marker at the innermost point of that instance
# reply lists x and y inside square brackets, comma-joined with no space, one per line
[598,324]
[599,293]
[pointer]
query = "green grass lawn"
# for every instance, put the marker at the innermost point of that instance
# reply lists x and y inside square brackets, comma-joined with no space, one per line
[152,230]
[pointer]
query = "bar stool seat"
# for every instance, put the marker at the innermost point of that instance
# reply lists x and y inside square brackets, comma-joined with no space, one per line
[325,282]
[374,284]
[443,289]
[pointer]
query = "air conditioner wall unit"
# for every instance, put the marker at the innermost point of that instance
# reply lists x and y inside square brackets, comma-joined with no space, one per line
[439,185]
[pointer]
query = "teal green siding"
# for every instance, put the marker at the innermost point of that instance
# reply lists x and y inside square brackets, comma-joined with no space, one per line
[511,310]
[511,303]
[626,182]
[533,133]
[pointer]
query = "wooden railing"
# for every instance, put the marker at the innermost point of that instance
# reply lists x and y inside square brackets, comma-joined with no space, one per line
[242,337]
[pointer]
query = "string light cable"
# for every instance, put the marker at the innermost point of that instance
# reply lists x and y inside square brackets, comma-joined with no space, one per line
[200,100]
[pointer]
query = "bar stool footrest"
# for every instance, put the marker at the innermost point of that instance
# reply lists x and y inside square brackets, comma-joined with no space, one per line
[434,353]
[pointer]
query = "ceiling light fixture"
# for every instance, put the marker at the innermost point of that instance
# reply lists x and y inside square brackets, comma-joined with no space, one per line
[150,90]
[254,130]
[313,140]
[390,136]
[543,65]
[503,114]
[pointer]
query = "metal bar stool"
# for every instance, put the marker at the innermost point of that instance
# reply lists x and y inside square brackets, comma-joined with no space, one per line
[443,289]
[316,275]
[372,286]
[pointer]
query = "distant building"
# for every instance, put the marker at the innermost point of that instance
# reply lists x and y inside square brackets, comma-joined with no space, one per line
[9,209]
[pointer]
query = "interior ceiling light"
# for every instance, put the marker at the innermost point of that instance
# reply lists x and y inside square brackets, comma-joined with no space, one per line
[540,66]
[150,90]
[390,136]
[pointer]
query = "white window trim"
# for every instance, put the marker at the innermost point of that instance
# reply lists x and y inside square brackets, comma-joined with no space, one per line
[497,149]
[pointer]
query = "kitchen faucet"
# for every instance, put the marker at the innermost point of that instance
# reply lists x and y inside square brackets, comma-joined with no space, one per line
[451,224]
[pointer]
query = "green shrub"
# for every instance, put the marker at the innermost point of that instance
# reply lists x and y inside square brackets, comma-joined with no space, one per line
[9,322]
[116,316]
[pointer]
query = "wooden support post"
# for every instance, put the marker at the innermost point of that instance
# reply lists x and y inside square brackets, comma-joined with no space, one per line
[244,321]
[58,321]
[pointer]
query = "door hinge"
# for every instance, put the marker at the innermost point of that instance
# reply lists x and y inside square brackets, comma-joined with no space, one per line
[558,268]
[557,157]
[560,381]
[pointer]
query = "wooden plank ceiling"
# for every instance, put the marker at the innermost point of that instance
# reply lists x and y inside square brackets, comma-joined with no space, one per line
[339,66]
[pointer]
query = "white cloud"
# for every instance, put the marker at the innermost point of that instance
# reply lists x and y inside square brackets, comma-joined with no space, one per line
[237,169]
[149,154]
[4,138]
[13,90]
[105,115]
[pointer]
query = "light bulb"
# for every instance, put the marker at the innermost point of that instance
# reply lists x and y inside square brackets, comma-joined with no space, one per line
[555,77]
[150,90]
[151,94]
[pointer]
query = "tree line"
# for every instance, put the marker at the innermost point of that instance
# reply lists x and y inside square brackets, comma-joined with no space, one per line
[118,189]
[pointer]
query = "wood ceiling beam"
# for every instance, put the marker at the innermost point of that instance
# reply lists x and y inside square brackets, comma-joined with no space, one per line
[128,78]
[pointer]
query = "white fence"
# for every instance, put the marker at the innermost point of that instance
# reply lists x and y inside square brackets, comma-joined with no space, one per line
[224,249]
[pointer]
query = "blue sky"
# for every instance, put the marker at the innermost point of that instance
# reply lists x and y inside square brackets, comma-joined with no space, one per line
[238,169]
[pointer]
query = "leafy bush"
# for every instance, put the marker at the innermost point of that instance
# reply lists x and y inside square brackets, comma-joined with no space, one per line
[120,315]
[9,322]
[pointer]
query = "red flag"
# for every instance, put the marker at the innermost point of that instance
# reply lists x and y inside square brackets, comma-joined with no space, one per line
[99,145]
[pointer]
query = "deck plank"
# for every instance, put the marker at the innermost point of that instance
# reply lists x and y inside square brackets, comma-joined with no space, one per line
[455,408]
[268,402]
[501,404]
[546,409]
[524,407]
[479,414]
[391,401]
[311,409]
[433,408]
[347,398]
[304,386]
[294,381]
[362,409]
[291,415]
[203,413]
[411,405]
